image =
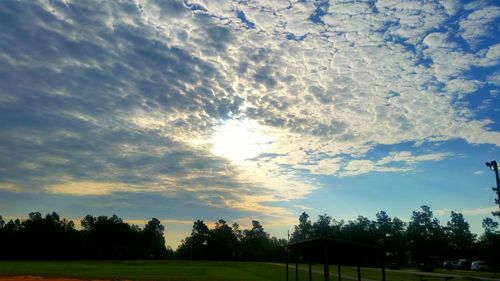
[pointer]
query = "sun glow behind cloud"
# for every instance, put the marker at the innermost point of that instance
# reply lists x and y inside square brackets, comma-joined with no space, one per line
[241,140]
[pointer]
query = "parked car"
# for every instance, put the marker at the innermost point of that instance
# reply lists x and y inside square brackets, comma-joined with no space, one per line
[429,263]
[464,264]
[451,265]
[480,266]
[394,265]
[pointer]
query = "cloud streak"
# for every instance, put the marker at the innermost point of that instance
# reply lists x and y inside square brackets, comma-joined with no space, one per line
[479,211]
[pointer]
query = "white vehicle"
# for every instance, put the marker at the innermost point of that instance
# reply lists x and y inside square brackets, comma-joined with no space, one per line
[480,266]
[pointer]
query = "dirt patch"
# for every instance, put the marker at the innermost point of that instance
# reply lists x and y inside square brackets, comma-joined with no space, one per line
[37,278]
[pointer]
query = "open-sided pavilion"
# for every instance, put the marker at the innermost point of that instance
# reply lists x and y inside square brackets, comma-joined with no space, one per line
[335,251]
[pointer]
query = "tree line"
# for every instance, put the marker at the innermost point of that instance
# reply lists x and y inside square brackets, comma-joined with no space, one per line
[225,242]
[102,237]
[409,242]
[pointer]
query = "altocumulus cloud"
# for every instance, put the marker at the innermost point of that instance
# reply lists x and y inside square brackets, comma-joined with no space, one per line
[100,97]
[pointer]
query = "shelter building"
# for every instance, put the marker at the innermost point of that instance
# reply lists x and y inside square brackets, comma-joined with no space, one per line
[334,251]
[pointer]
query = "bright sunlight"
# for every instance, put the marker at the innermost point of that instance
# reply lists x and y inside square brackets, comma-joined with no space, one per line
[240,140]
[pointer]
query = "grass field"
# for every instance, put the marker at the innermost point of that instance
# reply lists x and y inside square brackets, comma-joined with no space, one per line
[189,270]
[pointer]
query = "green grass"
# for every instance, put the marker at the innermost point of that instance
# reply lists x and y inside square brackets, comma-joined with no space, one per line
[193,270]
[469,273]
[149,270]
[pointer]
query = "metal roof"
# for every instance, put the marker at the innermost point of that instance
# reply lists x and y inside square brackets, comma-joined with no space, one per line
[338,248]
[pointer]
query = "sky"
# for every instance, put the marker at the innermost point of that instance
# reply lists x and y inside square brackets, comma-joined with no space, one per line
[242,110]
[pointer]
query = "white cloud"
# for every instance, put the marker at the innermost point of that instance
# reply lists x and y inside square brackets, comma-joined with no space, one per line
[403,161]
[7,186]
[144,86]
[91,188]
[478,24]
[494,79]
[451,7]
[329,166]
[473,212]
[460,86]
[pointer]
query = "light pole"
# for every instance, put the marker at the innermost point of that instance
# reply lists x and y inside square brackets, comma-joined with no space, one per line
[494,167]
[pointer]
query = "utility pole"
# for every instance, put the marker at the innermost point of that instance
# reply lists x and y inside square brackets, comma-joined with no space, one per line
[494,167]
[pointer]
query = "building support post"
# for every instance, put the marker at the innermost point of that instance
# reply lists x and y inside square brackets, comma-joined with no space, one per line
[383,267]
[339,271]
[297,266]
[310,269]
[325,269]
[287,258]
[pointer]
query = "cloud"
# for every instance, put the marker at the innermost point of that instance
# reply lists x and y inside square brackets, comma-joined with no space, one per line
[478,24]
[359,167]
[403,161]
[85,188]
[478,211]
[107,98]
[9,187]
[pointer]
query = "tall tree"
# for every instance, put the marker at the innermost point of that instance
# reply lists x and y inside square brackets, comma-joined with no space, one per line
[460,236]
[384,222]
[391,235]
[256,244]
[88,222]
[154,239]
[237,232]
[223,242]
[256,232]
[425,234]
[111,238]
[195,246]
[199,229]
[489,243]
[361,230]
[322,227]
[304,229]
[489,225]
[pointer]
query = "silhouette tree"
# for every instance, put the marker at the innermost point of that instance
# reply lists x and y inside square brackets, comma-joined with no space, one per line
[222,243]
[304,229]
[88,222]
[322,227]
[39,238]
[11,239]
[460,237]
[257,231]
[237,232]
[154,239]
[231,243]
[195,246]
[425,234]
[361,230]
[111,238]
[489,243]
[53,237]
[391,236]
[489,225]
[238,235]
[35,217]
[256,244]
